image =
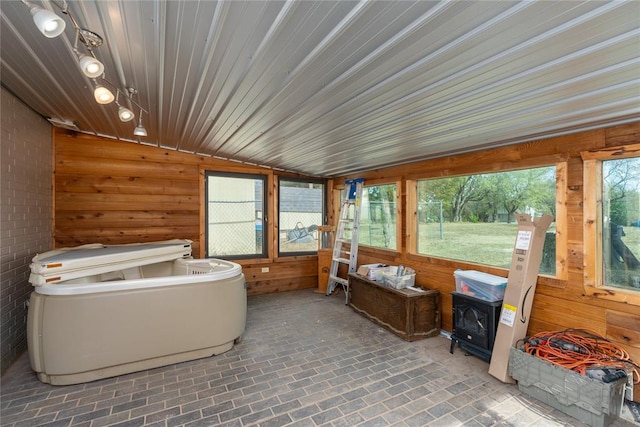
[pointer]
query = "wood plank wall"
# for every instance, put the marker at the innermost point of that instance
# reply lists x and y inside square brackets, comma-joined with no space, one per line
[113,192]
[120,192]
[559,303]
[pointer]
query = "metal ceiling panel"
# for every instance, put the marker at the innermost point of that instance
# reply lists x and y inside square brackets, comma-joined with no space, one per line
[334,87]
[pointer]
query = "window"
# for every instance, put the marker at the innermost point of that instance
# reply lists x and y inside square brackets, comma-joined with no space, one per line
[611,228]
[378,216]
[621,223]
[471,218]
[235,220]
[301,211]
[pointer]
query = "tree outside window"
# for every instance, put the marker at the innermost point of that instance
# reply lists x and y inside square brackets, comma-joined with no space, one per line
[378,216]
[621,222]
[472,218]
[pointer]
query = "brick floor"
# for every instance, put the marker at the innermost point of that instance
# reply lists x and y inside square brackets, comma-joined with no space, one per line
[305,360]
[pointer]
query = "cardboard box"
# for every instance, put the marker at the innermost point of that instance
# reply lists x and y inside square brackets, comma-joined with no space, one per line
[521,287]
[372,271]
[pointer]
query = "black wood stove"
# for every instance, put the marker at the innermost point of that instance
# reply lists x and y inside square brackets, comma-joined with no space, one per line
[475,322]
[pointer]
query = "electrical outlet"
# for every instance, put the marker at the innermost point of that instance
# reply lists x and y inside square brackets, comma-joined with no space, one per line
[265,269]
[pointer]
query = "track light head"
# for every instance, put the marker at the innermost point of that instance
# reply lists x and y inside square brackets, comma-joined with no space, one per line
[49,24]
[140,131]
[125,114]
[90,66]
[103,95]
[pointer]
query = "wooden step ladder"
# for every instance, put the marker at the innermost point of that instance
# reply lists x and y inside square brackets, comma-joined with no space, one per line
[345,249]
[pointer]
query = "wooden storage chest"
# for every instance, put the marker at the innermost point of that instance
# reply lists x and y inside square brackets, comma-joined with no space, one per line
[410,314]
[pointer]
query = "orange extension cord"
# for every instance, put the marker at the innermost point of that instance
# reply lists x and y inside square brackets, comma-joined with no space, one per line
[580,350]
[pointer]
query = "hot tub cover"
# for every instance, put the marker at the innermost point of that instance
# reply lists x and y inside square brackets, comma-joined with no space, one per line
[64,264]
[199,270]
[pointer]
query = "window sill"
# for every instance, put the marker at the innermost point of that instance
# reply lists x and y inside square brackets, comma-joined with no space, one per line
[613,294]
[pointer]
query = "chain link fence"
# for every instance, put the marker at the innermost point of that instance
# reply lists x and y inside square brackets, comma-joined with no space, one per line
[234,228]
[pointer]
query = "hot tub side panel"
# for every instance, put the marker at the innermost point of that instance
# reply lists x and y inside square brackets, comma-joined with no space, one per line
[79,338]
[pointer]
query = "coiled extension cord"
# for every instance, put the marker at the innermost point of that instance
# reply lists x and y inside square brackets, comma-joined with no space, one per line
[584,352]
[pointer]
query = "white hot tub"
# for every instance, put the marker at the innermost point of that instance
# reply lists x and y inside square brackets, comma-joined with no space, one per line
[99,311]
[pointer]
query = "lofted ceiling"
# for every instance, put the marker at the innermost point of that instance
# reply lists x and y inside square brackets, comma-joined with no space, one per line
[334,87]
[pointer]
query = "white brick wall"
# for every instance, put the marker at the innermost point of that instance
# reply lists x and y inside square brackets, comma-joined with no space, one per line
[25,215]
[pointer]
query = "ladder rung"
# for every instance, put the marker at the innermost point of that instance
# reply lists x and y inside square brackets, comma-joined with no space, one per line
[344,240]
[339,280]
[341,260]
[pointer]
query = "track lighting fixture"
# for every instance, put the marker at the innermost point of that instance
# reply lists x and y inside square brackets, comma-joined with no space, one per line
[103,95]
[90,66]
[125,114]
[140,130]
[49,24]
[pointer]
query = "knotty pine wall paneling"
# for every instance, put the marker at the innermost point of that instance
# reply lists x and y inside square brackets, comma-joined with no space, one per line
[560,302]
[115,192]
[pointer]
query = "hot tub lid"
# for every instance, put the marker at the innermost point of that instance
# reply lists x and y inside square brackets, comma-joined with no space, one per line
[86,260]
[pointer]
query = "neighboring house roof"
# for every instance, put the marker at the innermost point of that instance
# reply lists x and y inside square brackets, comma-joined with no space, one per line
[294,199]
